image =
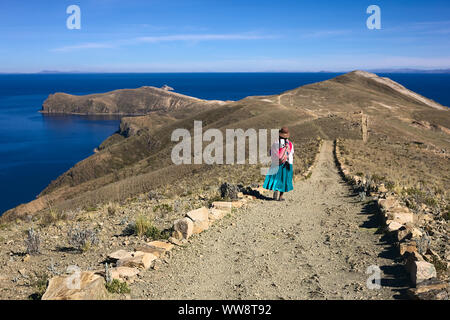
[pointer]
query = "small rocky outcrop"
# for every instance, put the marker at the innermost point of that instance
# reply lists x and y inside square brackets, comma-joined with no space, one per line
[88,286]
[229,191]
[167,88]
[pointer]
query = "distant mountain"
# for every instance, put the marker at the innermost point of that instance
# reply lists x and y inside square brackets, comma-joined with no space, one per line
[409,70]
[57,72]
[381,70]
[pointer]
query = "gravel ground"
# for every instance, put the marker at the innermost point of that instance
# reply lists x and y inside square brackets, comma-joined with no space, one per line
[317,244]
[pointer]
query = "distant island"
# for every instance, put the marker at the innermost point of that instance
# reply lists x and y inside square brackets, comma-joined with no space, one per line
[56,71]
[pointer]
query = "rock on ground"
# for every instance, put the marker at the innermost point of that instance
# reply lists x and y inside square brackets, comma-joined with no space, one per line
[88,286]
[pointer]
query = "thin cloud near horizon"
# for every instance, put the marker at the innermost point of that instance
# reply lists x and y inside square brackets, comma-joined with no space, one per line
[166,38]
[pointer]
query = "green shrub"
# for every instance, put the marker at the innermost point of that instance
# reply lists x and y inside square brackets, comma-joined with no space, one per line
[144,226]
[153,232]
[377,178]
[414,192]
[430,201]
[439,265]
[112,209]
[163,208]
[446,213]
[116,286]
[411,205]
[52,216]
[390,185]
[40,285]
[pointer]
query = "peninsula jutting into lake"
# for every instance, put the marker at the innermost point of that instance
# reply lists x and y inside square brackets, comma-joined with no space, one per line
[246,155]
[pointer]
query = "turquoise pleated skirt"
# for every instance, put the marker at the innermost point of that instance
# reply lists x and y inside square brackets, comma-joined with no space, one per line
[281,180]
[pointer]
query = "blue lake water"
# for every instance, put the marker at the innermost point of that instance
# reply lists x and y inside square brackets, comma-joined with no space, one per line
[36,148]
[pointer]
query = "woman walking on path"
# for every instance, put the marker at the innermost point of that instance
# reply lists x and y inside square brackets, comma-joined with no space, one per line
[279,177]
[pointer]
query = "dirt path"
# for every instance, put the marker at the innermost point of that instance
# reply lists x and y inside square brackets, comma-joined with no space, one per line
[316,245]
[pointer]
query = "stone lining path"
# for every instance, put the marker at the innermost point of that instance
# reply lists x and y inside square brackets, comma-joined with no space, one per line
[316,245]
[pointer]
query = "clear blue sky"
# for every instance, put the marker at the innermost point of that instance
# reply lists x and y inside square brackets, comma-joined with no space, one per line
[226,35]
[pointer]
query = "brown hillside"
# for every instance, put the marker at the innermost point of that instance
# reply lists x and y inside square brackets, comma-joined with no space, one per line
[137,159]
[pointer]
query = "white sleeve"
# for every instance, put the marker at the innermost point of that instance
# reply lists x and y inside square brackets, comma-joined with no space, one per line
[291,155]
